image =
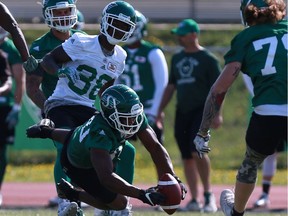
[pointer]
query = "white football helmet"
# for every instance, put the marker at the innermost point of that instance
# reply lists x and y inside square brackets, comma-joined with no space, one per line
[113,16]
[61,23]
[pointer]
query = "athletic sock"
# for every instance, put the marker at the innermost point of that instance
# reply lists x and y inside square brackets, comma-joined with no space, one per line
[235,213]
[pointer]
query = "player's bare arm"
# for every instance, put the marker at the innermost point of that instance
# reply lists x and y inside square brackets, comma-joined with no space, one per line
[53,61]
[158,153]
[217,94]
[103,165]
[34,92]
[8,22]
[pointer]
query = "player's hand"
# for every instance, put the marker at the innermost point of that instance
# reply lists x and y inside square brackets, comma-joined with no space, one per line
[201,144]
[151,196]
[13,116]
[183,187]
[70,73]
[31,64]
[41,130]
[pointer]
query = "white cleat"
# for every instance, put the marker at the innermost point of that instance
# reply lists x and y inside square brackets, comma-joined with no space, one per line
[227,202]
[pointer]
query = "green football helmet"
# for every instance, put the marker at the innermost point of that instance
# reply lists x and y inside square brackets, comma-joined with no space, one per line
[140,29]
[122,109]
[114,13]
[245,3]
[60,23]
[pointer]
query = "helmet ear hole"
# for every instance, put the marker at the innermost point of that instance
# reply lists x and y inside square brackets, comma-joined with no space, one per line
[121,108]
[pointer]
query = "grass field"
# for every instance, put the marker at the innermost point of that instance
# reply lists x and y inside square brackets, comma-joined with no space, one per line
[89,212]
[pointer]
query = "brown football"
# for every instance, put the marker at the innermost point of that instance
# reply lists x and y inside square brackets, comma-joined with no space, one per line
[169,187]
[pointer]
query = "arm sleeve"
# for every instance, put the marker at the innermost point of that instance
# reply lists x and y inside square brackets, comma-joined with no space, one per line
[160,74]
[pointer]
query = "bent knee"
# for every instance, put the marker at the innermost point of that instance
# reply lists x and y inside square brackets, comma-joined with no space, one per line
[119,203]
[247,173]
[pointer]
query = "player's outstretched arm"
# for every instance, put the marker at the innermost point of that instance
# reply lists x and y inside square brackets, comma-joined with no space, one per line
[45,129]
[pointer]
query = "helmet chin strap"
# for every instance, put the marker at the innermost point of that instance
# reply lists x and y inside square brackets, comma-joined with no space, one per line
[113,41]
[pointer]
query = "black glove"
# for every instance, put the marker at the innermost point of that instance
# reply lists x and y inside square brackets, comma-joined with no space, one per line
[41,130]
[151,196]
[183,187]
[65,190]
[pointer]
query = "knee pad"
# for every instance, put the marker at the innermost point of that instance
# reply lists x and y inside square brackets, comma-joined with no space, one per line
[247,173]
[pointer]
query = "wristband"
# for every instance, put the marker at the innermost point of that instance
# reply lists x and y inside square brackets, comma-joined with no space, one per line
[16,107]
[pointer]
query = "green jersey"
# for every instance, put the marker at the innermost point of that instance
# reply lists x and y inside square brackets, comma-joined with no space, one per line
[39,48]
[193,74]
[95,133]
[262,50]
[14,57]
[147,74]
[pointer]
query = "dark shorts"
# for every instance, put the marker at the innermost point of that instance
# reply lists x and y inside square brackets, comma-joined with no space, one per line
[7,136]
[185,129]
[267,134]
[86,179]
[70,116]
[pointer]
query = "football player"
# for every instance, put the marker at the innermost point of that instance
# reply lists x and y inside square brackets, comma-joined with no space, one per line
[260,51]
[90,151]
[84,63]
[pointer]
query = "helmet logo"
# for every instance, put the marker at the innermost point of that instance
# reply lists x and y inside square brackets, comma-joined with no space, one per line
[109,101]
[124,17]
[136,109]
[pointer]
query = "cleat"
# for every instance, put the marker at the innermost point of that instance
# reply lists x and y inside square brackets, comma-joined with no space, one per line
[193,205]
[210,207]
[66,208]
[227,202]
[262,202]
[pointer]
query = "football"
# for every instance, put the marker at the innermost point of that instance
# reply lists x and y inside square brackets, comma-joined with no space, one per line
[169,187]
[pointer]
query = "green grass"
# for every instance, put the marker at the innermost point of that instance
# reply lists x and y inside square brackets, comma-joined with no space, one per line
[89,212]
[44,173]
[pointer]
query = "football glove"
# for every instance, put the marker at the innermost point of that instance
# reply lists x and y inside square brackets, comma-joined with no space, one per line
[72,74]
[41,130]
[31,64]
[151,196]
[201,144]
[65,190]
[13,116]
[183,187]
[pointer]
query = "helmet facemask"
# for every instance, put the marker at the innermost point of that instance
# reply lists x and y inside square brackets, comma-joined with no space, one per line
[61,23]
[122,109]
[128,123]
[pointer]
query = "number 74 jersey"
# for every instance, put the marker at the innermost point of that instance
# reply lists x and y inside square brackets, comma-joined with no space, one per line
[94,70]
[262,50]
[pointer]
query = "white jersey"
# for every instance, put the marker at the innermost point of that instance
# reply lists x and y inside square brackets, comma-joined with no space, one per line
[95,69]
